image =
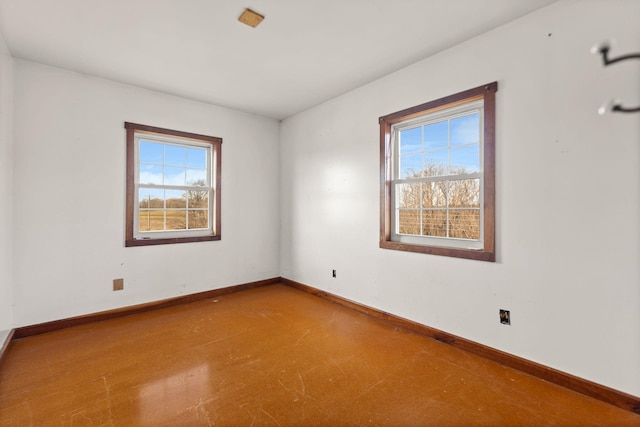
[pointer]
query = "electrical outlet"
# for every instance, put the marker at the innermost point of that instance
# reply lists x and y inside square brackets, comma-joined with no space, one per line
[505,317]
[334,274]
[118,284]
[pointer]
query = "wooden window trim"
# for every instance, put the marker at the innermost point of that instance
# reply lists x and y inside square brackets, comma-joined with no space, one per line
[131,129]
[485,92]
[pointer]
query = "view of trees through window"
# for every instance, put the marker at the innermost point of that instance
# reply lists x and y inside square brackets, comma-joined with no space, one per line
[173,209]
[173,192]
[439,164]
[446,208]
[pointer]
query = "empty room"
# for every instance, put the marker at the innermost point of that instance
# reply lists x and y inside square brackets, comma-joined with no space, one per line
[331,213]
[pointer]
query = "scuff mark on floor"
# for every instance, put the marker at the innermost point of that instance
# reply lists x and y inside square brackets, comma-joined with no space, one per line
[271,416]
[306,332]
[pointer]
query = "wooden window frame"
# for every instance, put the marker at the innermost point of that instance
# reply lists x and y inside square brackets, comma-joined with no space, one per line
[487,252]
[216,146]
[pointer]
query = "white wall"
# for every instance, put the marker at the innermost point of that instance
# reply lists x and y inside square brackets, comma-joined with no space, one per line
[6,181]
[568,196]
[69,196]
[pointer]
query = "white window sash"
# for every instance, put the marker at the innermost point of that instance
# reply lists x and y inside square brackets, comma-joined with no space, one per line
[162,234]
[449,114]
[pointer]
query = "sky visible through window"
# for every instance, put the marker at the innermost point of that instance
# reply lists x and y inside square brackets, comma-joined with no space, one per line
[446,147]
[173,191]
[167,165]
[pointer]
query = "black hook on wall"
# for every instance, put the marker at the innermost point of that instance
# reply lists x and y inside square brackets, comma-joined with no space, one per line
[615,105]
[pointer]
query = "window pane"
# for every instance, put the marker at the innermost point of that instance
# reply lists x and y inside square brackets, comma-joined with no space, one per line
[176,220]
[174,155]
[434,223]
[150,198]
[465,129]
[434,194]
[174,176]
[436,135]
[175,199]
[409,222]
[150,174]
[197,177]
[465,159]
[435,163]
[150,152]
[408,195]
[458,159]
[411,140]
[198,199]
[174,183]
[410,165]
[197,158]
[464,223]
[151,220]
[464,193]
[198,219]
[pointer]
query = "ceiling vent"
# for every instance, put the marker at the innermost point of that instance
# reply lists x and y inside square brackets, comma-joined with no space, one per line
[250,18]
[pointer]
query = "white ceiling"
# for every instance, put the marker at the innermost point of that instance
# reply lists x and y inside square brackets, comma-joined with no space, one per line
[303,53]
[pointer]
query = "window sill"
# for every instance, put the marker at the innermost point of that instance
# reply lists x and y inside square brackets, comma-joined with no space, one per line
[170,241]
[476,254]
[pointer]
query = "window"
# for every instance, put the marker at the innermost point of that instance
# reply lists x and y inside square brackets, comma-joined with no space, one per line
[173,186]
[438,176]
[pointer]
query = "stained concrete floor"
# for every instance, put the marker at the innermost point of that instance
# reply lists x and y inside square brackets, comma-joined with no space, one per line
[271,356]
